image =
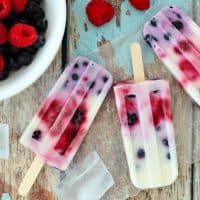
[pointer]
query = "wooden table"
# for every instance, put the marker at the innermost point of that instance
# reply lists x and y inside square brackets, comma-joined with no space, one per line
[18,111]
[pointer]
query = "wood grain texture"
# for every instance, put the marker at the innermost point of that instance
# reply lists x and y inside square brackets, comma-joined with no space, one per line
[187,186]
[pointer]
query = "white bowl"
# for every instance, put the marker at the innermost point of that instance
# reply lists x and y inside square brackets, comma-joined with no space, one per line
[18,81]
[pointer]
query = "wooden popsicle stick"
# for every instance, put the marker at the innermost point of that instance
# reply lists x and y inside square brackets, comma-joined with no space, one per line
[137,62]
[30,176]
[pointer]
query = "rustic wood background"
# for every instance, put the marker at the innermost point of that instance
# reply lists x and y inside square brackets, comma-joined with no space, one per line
[18,111]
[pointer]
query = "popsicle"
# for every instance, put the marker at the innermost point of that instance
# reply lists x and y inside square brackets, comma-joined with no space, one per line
[59,127]
[144,109]
[175,39]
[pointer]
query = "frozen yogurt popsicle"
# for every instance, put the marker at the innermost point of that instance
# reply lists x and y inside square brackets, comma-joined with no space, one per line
[144,109]
[60,125]
[175,39]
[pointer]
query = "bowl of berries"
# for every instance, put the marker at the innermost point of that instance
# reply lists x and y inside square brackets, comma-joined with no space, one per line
[31,32]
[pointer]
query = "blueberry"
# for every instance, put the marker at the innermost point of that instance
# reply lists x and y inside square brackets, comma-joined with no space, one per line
[78,117]
[158,128]
[105,79]
[92,85]
[85,63]
[75,77]
[40,42]
[24,58]
[178,15]
[166,36]
[178,24]
[76,65]
[132,118]
[141,153]
[99,92]
[165,142]
[66,84]
[131,96]
[168,156]
[37,135]
[155,91]
[153,22]
[149,38]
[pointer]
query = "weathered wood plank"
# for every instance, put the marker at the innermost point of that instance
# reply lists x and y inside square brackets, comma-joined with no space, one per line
[183,112]
[17,112]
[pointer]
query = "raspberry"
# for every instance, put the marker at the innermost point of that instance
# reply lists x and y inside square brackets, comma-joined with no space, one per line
[18,5]
[22,35]
[2,63]
[3,70]
[3,34]
[99,12]
[140,4]
[5,8]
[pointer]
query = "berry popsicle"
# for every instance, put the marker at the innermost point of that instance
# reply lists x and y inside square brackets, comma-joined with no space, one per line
[175,39]
[144,109]
[60,125]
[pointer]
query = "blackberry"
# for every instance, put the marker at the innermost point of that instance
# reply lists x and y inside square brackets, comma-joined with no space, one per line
[30,50]
[10,20]
[132,118]
[13,50]
[24,58]
[37,1]
[41,26]
[5,48]
[4,74]
[78,117]
[26,20]
[31,8]
[39,15]
[13,64]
